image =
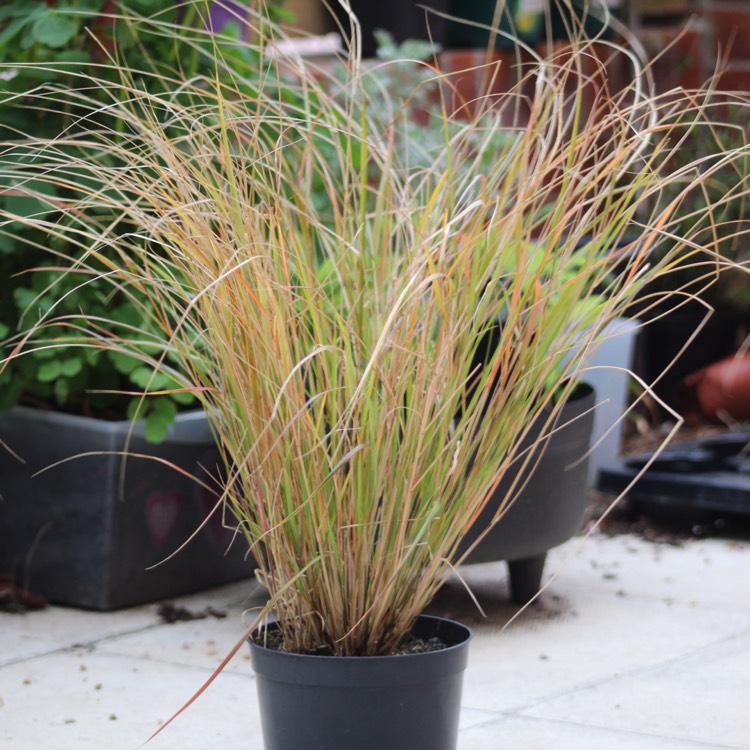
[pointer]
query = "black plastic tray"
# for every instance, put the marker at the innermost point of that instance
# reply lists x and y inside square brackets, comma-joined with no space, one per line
[711,474]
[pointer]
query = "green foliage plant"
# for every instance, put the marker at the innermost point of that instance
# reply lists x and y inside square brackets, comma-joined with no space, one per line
[360,437]
[48,50]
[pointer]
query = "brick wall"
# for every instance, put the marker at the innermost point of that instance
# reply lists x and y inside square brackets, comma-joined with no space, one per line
[716,30]
[689,55]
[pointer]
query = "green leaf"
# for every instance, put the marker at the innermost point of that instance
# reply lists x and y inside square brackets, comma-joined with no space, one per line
[145,377]
[30,303]
[24,205]
[54,29]
[71,367]
[128,315]
[49,371]
[184,398]
[27,198]
[124,363]
[8,245]
[160,417]
[136,408]
[165,407]
[50,353]
[142,376]
[62,390]
[73,56]
[157,427]
[9,32]
[91,356]
[10,393]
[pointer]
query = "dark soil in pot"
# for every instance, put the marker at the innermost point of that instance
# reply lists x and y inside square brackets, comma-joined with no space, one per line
[403,702]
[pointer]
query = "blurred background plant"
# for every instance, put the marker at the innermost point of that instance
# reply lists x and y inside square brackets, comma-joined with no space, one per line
[723,192]
[402,88]
[48,49]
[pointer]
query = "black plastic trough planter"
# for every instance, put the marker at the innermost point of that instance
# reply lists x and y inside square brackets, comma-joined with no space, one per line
[407,702]
[71,535]
[711,475]
[550,508]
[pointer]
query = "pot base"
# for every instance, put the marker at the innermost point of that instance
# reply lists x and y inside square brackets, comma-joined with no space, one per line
[526,577]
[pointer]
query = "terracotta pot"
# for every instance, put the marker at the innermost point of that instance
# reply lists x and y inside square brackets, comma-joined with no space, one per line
[722,389]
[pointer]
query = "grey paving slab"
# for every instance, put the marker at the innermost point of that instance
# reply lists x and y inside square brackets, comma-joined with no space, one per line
[36,633]
[706,571]
[523,666]
[198,643]
[537,734]
[704,697]
[81,699]
[203,642]
[582,631]
[45,631]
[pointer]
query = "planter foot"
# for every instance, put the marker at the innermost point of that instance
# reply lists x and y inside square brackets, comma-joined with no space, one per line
[526,577]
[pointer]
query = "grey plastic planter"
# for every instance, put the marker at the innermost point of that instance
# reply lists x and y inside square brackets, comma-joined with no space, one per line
[607,371]
[76,536]
[549,509]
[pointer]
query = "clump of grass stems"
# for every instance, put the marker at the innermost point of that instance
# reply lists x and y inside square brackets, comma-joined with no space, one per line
[333,342]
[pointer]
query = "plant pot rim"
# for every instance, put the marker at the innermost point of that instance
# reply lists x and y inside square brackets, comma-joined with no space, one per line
[347,670]
[189,426]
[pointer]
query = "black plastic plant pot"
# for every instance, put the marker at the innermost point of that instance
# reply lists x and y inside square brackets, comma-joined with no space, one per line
[404,19]
[404,702]
[474,18]
[591,16]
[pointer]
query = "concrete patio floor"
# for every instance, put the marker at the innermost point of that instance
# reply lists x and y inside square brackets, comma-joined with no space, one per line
[632,645]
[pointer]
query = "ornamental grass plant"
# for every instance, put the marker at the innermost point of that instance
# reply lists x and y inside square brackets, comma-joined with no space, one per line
[326,296]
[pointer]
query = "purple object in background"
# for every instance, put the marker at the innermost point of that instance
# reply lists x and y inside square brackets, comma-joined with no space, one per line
[223,12]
